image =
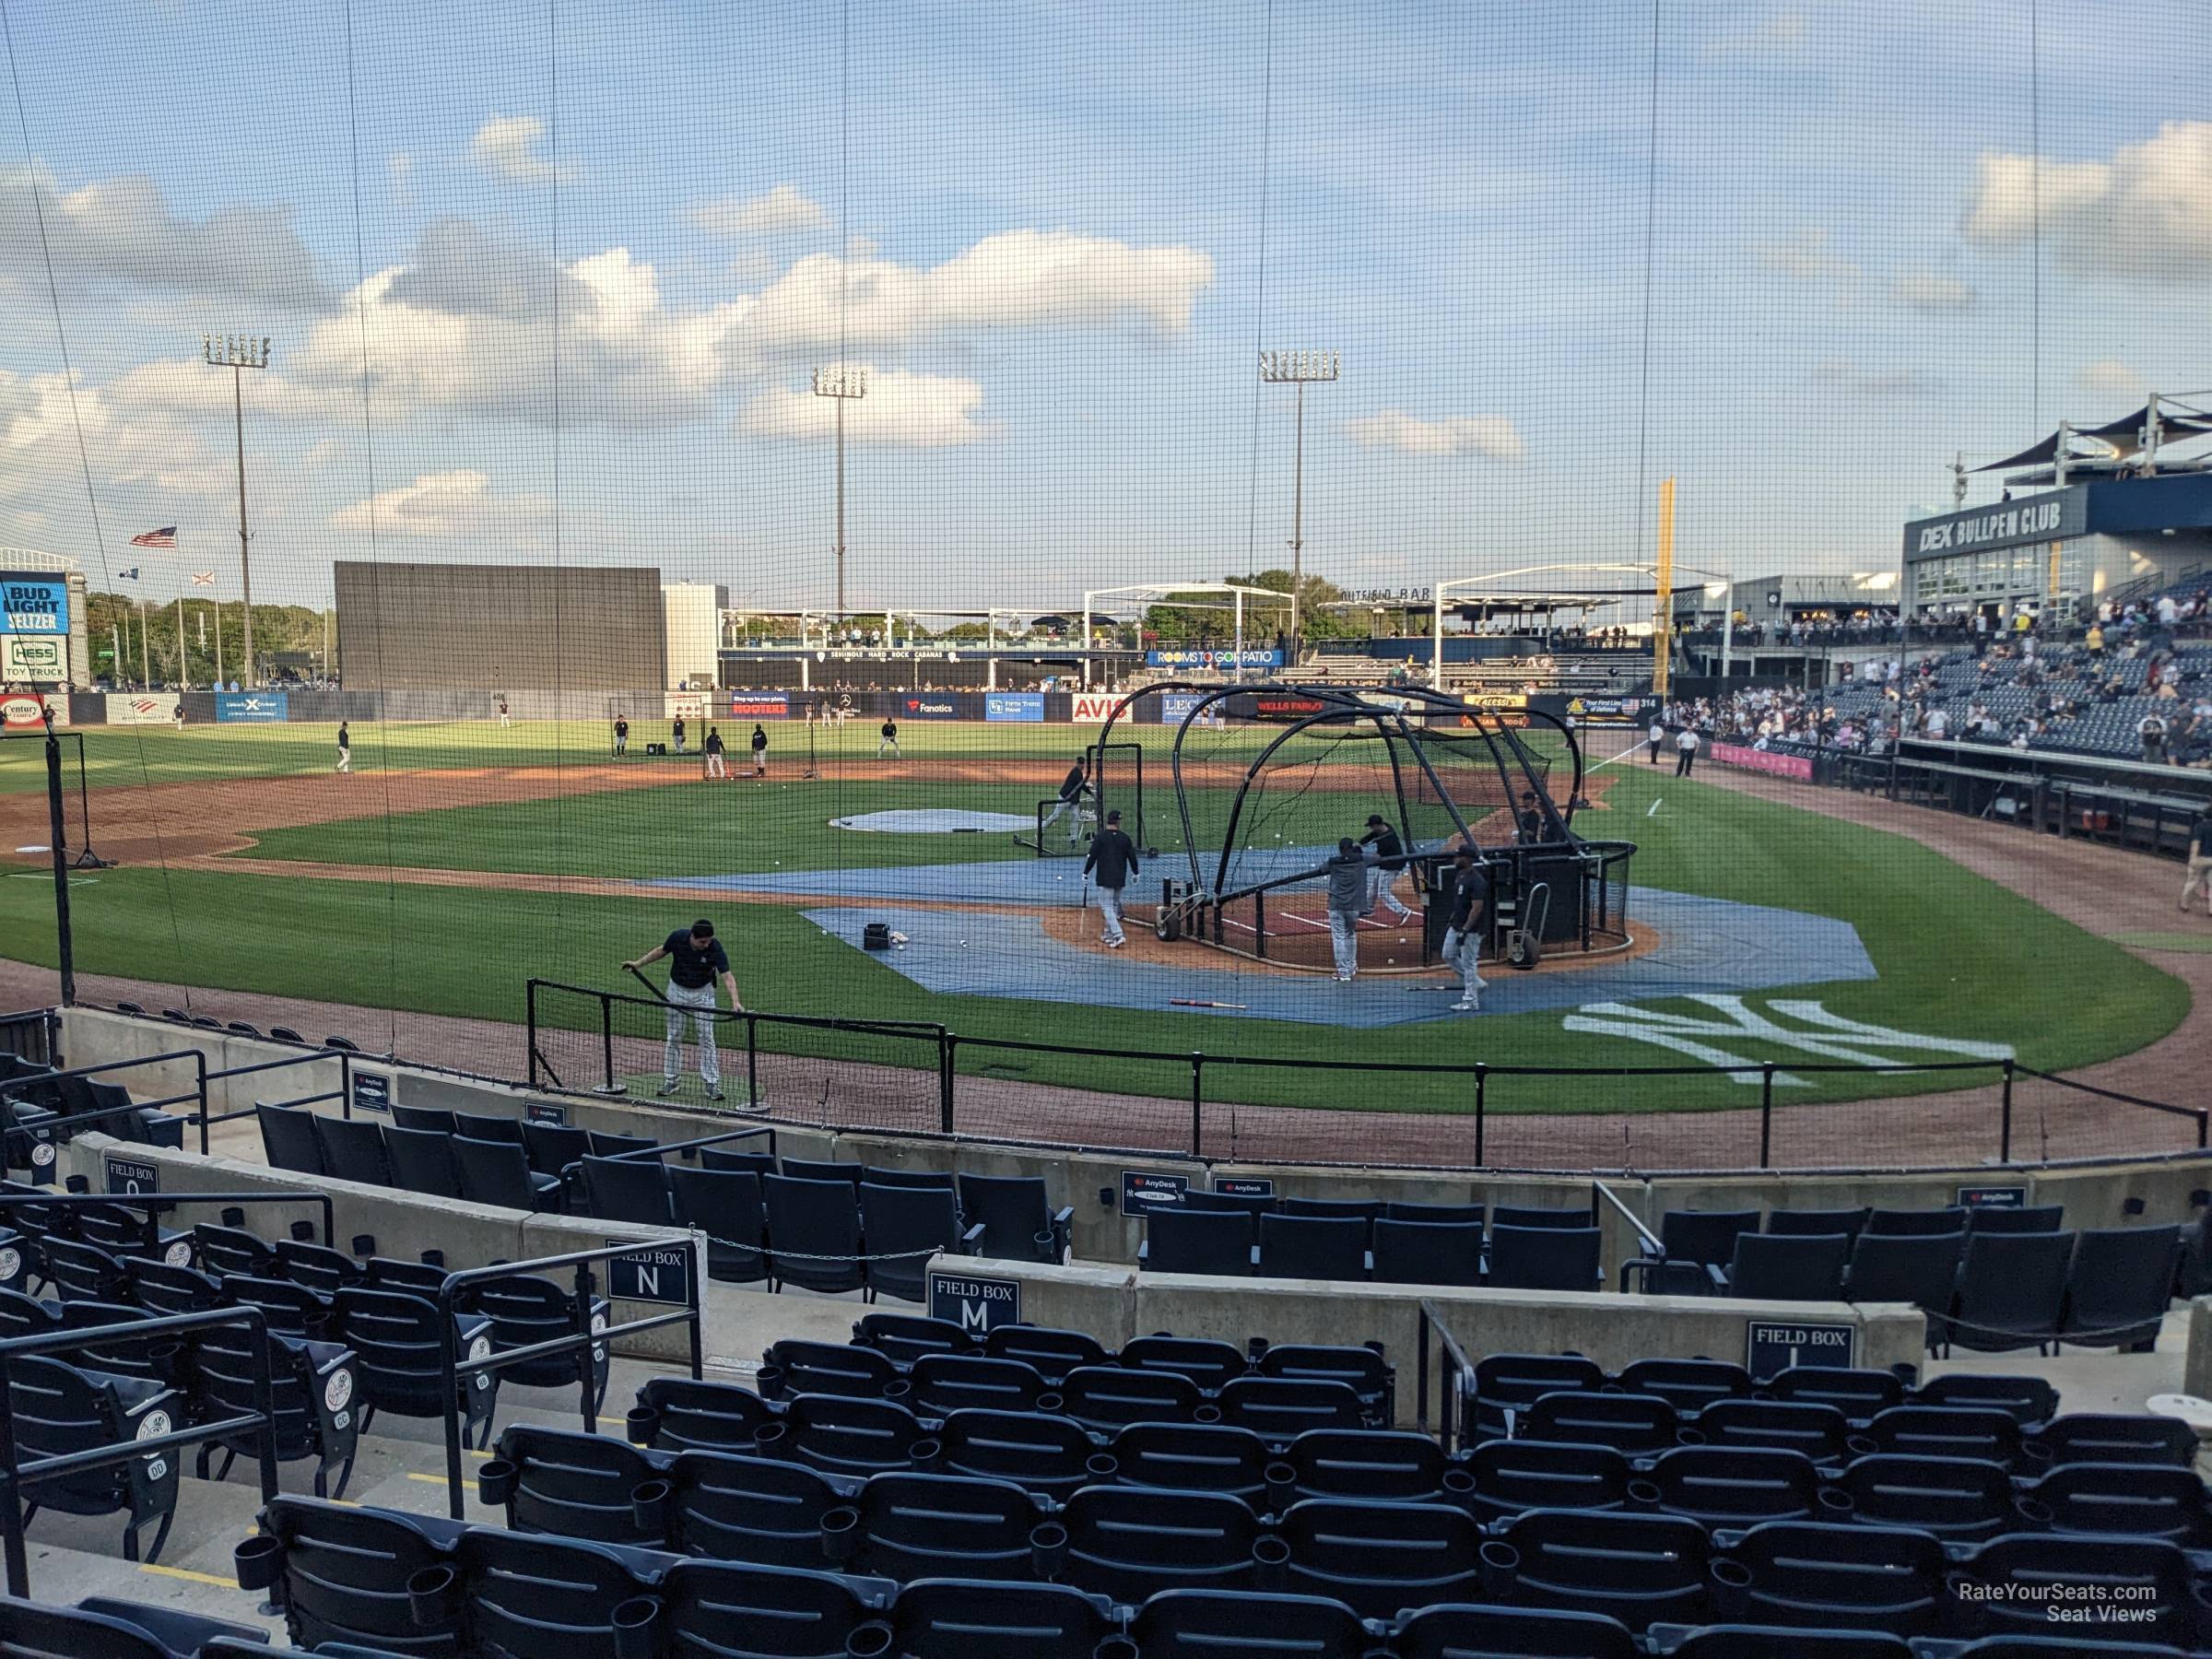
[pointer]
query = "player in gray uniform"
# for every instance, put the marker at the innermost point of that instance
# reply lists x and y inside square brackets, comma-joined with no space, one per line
[1348,903]
[1389,855]
[1463,938]
[1113,860]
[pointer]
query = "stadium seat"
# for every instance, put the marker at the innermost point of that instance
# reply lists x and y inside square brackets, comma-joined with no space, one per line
[950,1619]
[1689,1243]
[1179,1240]
[740,1509]
[676,1413]
[82,1272]
[290,1309]
[708,1607]
[1336,1209]
[1958,1498]
[632,1189]
[496,1172]
[1808,1576]
[796,1366]
[2008,1585]
[2011,1287]
[59,1408]
[722,1160]
[604,1144]
[2157,1501]
[163,1360]
[1129,1542]
[525,1309]
[2040,1217]
[1050,1456]
[1378,1558]
[1254,1205]
[2088,1437]
[353,1149]
[814,1233]
[1448,1215]
[1375,1466]
[2027,1400]
[1849,1222]
[2118,1287]
[552,1147]
[317,1266]
[1427,1252]
[1196,1457]
[903,1227]
[1689,1385]
[1107,1397]
[1363,1370]
[521,1594]
[1788,1266]
[1513,1475]
[1506,1385]
[341,1575]
[727,1207]
[1734,1487]
[1543,1258]
[288,1139]
[860,1438]
[930,1180]
[1228,1624]
[1054,1353]
[1640,1425]
[160,1287]
[425,1119]
[1944,1431]
[1641,1570]
[1018,1223]
[488,1127]
[311,1388]
[277,1032]
[1203,1361]
[801,1168]
[943,1384]
[396,1339]
[1312,1247]
[904,1527]
[1908,1221]
[578,1486]
[1858,1392]
[99,1628]
[1922,1269]
[1502,1633]
[907,1338]
[422,1161]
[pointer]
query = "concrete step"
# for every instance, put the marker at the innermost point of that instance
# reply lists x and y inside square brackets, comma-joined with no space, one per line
[62,1575]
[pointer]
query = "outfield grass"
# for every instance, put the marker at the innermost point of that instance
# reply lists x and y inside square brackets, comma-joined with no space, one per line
[1959,956]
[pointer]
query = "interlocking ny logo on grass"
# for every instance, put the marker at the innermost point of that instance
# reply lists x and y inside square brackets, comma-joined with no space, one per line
[1832,1037]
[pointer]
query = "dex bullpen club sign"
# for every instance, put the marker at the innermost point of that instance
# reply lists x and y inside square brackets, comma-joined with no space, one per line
[2059,516]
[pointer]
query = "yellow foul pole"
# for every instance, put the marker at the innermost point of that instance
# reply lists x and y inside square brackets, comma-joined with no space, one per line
[1663,598]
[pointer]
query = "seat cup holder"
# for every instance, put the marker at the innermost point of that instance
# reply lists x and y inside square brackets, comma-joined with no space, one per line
[1730,1589]
[1271,1562]
[869,1641]
[1282,1485]
[841,1530]
[434,1597]
[1836,1500]
[771,1439]
[1689,1437]
[649,1507]
[640,1424]
[2034,1511]
[636,1627]
[1969,1613]
[898,1388]
[1860,1445]
[1047,1245]
[1500,1564]
[1644,1495]
[1457,1484]
[1101,1465]
[495,1483]
[1115,1647]
[259,1562]
[924,1454]
[1051,1402]
[2037,1452]
[1048,1550]
[768,1383]
[1206,1414]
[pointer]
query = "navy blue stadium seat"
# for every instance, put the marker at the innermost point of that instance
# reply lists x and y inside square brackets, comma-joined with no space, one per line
[578,1486]
[1513,1475]
[1945,1432]
[2088,1437]
[943,1384]
[2118,1285]
[59,1408]
[1543,1258]
[1734,1487]
[1818,1575]
[1203,1361]
[1958,1498]
[958,1618]
[720,1607]
[1637,1424]
[850,1436]
[727,1207]
[675,1414]
[741,1508]
[1689,1385]
[1857,1393]
[1363,1370]
[1019,1222]
[341,1575]
[2027,1400]
[907,1527]
[1228,1624]
[2011,1290]
[1641,1570]
[1050,1456]
[1129,1542]
[796,1366]
[1378,1558]
[1280,1408]
[905,1338]
[1378,1465]
[1506,1385]
[1184,1240]
[1427,1252]
[1508,1632]
[1198,1457]
[1053,1352]
[2007,1586]
[1107,1397]
[814,1233]
[2156,1501]
[396,1339]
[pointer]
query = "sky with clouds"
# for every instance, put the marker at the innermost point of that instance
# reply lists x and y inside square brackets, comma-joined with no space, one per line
[550,282]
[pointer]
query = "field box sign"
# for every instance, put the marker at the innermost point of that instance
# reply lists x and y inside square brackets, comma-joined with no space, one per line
[1244,1186]
[1144,1192]
[974,1304]
[130,1177]
[372,1092]
[1993,1197]
[658,1273]
[1774,1345]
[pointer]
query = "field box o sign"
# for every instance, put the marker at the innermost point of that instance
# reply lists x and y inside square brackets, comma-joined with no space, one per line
[658,1273]
[1144,1192]
[977,1305]
[131,1177]
[1774,1345]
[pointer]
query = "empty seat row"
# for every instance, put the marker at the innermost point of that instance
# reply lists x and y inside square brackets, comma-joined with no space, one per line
[39,1094]
[100,1627]
[1395,1251]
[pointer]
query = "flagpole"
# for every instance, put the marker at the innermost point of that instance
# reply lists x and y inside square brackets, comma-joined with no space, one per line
[146,661]
[219,644]
[183,679]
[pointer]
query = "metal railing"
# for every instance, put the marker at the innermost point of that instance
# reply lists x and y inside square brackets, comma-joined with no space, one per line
[154,1203]
[15,1474]
[452,1370]
[1454,1379]
[33,1036]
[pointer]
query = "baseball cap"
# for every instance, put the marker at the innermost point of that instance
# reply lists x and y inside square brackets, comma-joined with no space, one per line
[702,929]
[1114,817]
[1374,818]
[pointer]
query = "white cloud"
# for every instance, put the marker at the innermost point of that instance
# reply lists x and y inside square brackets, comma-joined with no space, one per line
[2146,213]
[1027,278]
[128,448]
[2109,377]
[506,147]
[1932,291]
[121,233]
[456,506]
[399,167]
[1805,255]
[188,386]
[1779,34]
[781,210]
[1491,436]
[911,411]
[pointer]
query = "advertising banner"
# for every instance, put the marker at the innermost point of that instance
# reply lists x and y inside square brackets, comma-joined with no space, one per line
[24,712]
[1248,658]
[684,705]
[1496,700]
[1606,711]
[1175,707]
[253,706]
[1785,766]
[928,705]
[34,657]
[34,604]
[1092,708]
[760,705]
[1026,706]
[143,708]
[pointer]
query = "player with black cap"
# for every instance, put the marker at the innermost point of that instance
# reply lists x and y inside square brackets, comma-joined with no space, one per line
[695,957]
[1112,860]
[1388,855]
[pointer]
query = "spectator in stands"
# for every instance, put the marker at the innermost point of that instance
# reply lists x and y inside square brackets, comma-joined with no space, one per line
[2094,640]
[1939,723]
[1686,751]
[1347,901]
[2151,732]
[2169,611]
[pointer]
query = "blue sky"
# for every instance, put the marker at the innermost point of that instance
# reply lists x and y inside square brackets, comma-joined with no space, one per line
[1064,230]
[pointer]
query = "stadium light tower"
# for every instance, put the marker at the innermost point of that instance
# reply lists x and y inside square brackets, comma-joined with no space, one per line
[1300,369]
[238,353]
[842,381]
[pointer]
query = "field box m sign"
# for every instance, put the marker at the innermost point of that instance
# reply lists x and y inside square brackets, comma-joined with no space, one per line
[974,1304]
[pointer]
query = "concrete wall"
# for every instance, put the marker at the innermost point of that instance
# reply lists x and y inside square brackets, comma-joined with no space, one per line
[1116,1304]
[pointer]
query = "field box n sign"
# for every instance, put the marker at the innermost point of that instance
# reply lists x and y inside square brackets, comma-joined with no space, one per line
[130,1177]
[658,1273]
[974,1304]
[1775,1345]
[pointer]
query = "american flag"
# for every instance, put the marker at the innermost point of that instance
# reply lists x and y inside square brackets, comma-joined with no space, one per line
[203,579]
[156,538]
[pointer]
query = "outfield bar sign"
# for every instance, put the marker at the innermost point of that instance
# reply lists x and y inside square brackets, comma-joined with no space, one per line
[1772,1346]
[131,1177]
[661,1273]
[1023,706]
[253,706]
[1144,1192]
[1254,658]
[976,1305]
